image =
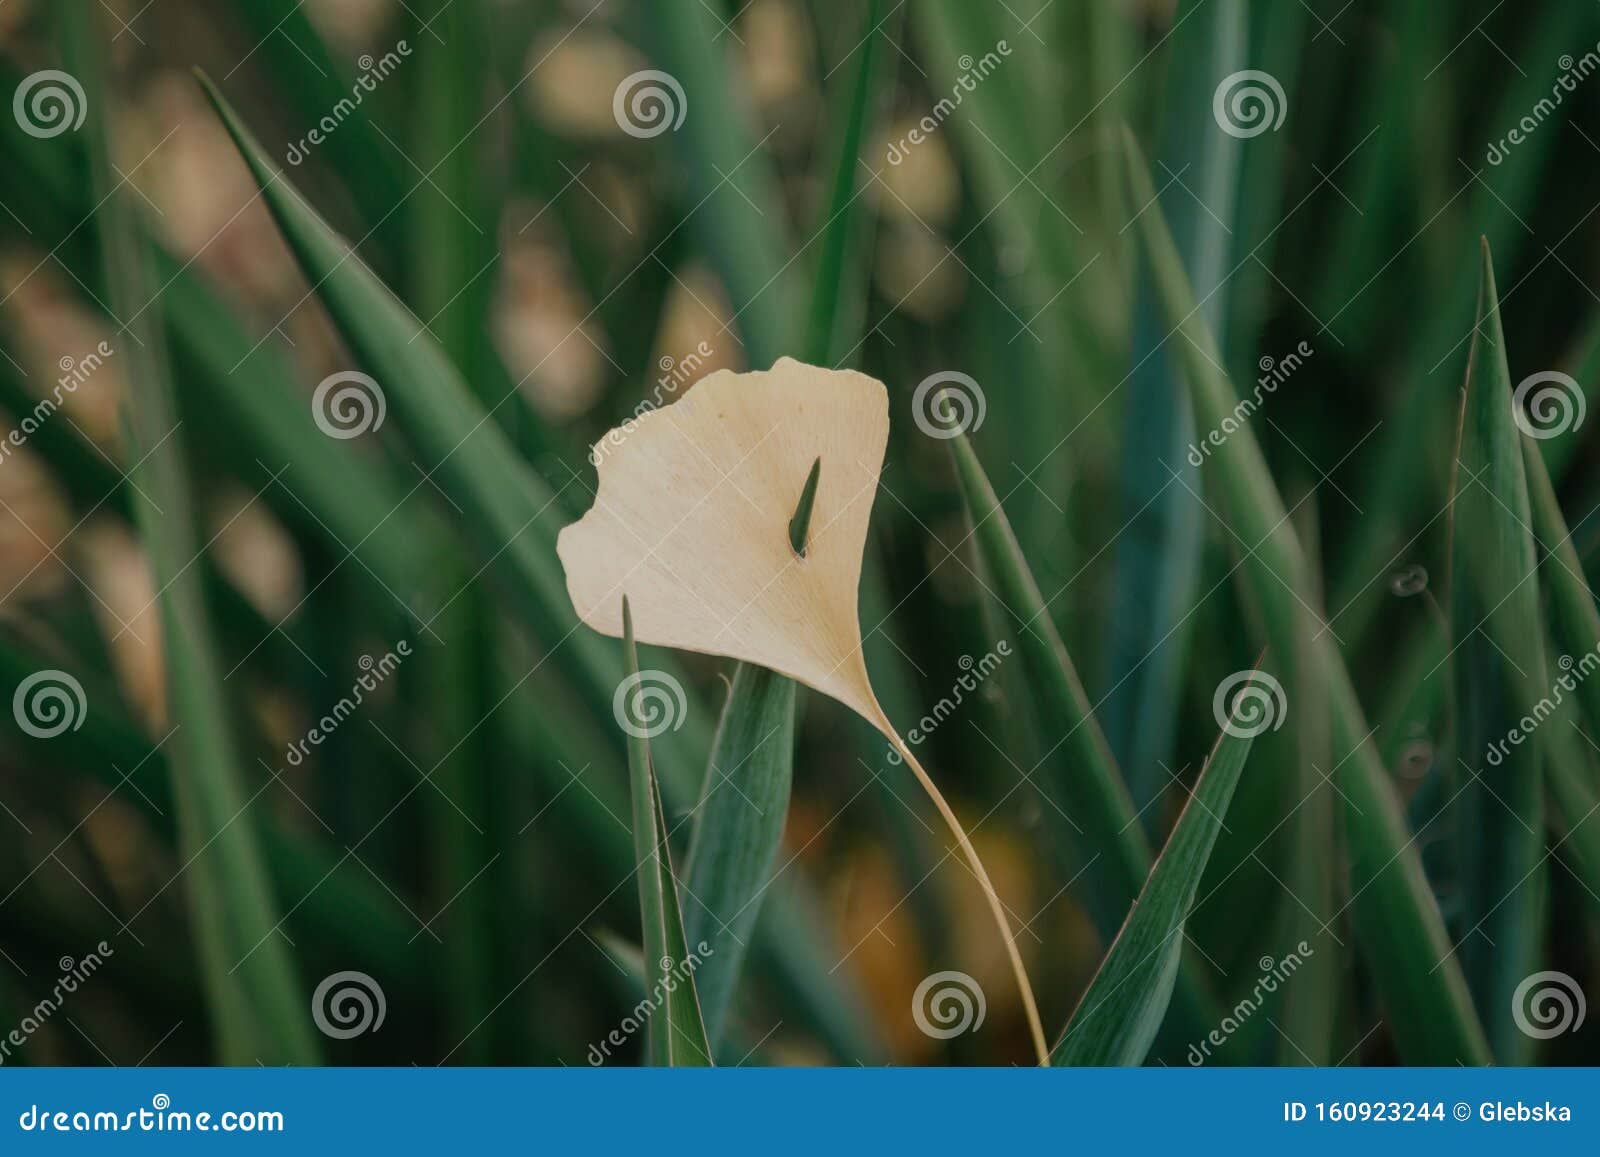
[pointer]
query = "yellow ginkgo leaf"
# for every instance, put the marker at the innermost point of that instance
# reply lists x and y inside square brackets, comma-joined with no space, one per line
[692,522]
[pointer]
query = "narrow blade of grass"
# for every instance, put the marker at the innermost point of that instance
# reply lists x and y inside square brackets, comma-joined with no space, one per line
[259,1008]
[741,816]
[745,800]
[292,51]
[733,191]
[676,1032]
[1158,550]
[260,423]
[508,510]
[1118,1017]
[1414,968]
[1575,623]
[1009,129]
[1575,801]
[505,508]
[1498,660]
[1278,42]
[107,748]
[839,287]
[1115,853]
[451,223]
[1086,772]
[1384,172]
[1312,1002]
[629,959]
[1051,322]
[1409,473]
[1559,448]
[1575,631]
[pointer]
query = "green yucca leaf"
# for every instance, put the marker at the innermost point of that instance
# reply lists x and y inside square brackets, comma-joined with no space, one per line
[289,48]
[745,800]
[1560,445]
[1158,549]
[1575,623]
[451,224]
[733,191]
[1311,1004]
[1047,328]
[1118,1016]
[107,747]
[511,512]
[1088,780]
[1277,42]
[1575,630]
[257,1004]
[1084,775]
[1009,128]
[1410,473]
[677,1034]
[738,829]
[1570,779]
[1383,174]
[1423,991]
[263,425]
[839,286]
[89,479]
[1498,660]
[506,508]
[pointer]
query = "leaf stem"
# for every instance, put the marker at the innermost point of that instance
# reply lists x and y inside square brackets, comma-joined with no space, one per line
[1030,1008]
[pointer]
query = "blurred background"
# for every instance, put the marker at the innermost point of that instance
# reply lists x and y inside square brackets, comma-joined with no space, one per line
[459,836]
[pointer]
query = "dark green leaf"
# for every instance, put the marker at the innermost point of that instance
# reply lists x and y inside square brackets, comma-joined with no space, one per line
[677,1034]
[1498,659]
[738,828]
[1413,965]
[1161,519]
[258,1005]
[1117,1018]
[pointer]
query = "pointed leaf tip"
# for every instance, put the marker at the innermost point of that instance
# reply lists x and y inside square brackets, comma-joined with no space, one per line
[800,524]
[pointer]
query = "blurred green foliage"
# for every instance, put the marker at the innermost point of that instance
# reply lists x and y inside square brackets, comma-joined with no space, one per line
[299,387]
